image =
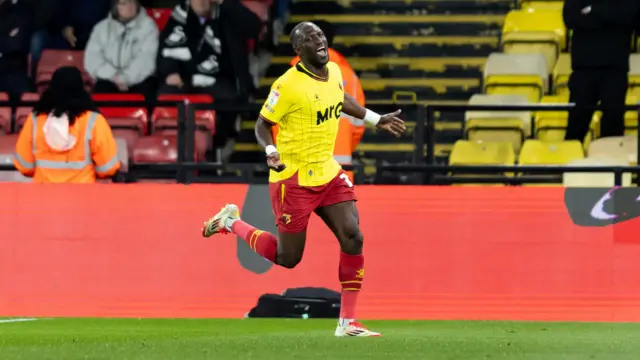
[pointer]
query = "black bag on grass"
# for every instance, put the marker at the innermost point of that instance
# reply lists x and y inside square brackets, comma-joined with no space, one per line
[299,303]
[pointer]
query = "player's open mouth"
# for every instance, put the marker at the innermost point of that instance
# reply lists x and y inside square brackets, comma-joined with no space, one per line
[322,51]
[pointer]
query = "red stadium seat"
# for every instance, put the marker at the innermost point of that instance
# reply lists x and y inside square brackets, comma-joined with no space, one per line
[259,7]
[160,16]
[165,120]
[127,123]
[5,115]
[51,60]
[193,98]
[117,97]
[8,144]
[23,112]
[157,148]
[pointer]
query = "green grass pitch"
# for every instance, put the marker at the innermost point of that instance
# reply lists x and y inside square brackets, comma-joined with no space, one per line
[132,339]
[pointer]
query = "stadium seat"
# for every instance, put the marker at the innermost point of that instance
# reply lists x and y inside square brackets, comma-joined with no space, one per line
[128,123]
[165,120]
[551,126]
[160,16]
[634,75]
[621,148]
[595,179]
[533,32]
[8,144]
[498,126]
[466,152]
[521,74]
[5,115]
[22,112]
[546,5]
[561,73]
[117,97]
[259,7]
[123,154]
[535,152]
[51,60]
[193,98]
[157,148]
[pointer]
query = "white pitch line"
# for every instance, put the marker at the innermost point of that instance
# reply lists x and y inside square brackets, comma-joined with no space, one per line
[16,320]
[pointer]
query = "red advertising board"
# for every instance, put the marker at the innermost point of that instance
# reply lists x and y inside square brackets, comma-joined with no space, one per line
[431,253]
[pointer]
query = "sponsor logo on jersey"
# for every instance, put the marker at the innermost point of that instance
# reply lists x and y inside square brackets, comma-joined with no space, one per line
[331,112]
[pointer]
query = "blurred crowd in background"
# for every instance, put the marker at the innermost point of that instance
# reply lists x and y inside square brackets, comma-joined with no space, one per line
[126,51]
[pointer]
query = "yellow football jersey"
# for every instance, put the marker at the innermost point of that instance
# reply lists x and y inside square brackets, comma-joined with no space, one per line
[307,110]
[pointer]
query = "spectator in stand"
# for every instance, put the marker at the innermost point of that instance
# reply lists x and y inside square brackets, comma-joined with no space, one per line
[600,49]
[15,35]
[65,139]
[43,12]
[76,19]
[204,50]
[121,52]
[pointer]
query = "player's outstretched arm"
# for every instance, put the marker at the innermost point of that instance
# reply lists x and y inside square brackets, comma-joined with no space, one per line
[388,122]
[263,135]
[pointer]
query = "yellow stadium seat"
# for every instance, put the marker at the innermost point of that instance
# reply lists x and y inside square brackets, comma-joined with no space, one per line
[622,148]
[634,74]
[467,152]
[548,5]
[538,153]
[535,152]
[561,73]
[518,74]
[534,31]
[498,126]
[550,126]
[595,179]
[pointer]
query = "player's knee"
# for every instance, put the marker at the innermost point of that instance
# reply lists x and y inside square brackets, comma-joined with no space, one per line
[353,242]
[288,260]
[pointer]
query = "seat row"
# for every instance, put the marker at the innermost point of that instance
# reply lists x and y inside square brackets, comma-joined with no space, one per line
[130,123]
[516,126]
[613,151]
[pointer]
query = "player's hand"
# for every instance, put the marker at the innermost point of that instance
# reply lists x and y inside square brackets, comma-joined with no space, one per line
[392,123]
[273,161]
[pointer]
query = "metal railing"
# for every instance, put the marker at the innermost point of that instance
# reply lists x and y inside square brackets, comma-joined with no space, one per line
[186,169]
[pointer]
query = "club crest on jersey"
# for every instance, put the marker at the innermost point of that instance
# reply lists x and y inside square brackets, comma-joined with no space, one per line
[331,112]
[273,98]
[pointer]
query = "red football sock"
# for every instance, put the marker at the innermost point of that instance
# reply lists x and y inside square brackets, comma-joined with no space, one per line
[351,274]
[262,242]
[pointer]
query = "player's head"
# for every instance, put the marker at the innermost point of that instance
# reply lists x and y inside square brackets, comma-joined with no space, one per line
[310,44]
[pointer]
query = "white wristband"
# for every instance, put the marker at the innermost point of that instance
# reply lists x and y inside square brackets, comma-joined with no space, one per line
[371,117]
[270,149]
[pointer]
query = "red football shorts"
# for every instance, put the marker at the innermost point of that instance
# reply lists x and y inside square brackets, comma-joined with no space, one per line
[293,204]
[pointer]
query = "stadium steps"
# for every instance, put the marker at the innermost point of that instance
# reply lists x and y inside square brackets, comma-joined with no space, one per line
[421,50]
[388,7]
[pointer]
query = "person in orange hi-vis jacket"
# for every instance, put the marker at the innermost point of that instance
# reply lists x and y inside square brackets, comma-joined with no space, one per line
[65,139]
[351,129]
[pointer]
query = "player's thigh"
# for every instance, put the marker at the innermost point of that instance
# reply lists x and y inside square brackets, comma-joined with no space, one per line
[342,219]
[290,248]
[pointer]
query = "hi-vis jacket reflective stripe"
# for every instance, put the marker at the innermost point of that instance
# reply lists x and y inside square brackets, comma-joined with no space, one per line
[95,152]
[351,129]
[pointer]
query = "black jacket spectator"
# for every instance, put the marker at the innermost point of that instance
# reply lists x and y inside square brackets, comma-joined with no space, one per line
[76,19]
[205,51]
[15,37]
[600,49]
[43,12]
[602,36]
